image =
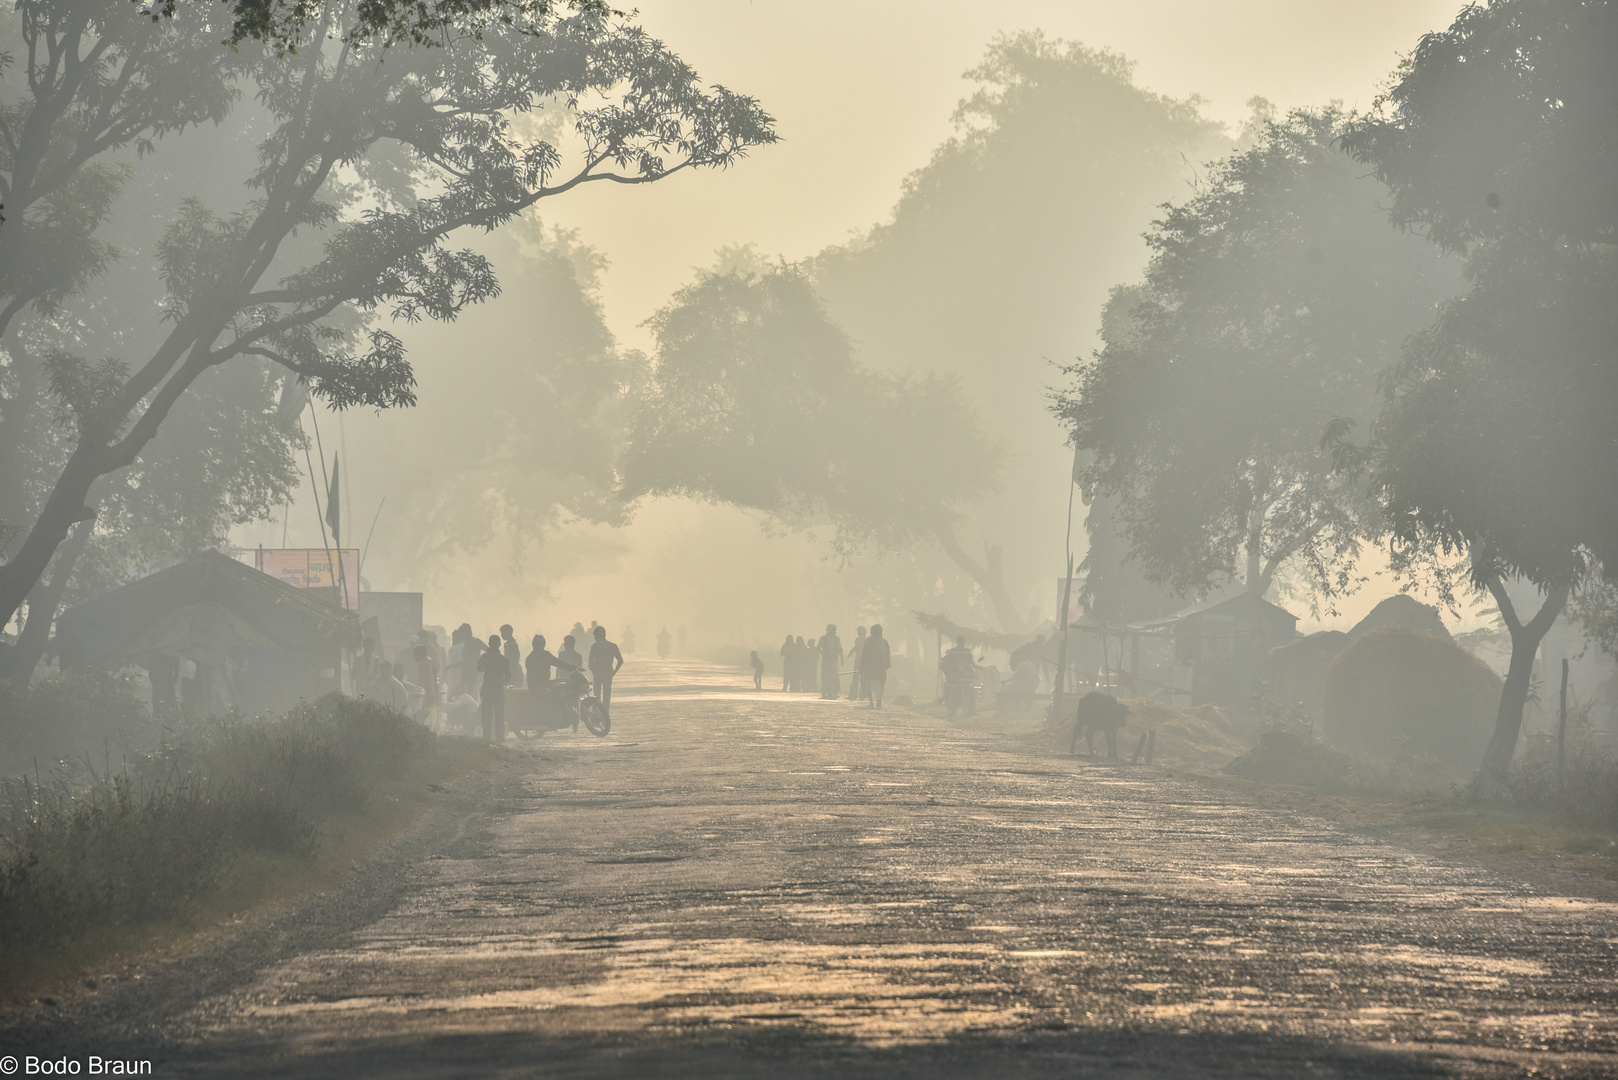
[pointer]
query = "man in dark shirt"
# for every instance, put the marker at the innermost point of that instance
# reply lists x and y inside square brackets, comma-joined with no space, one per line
[875,659]
[496,674]
[605,660]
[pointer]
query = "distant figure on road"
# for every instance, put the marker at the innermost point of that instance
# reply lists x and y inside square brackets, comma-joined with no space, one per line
[806,664]
[471,651]
[496,674]
[663,640]
[874,664]
[570,653]
[540,663]
[513,654]
[831,658]
[627,642]
[1099,712]
[789,664]
[855,651]
[758,670]
[605,660]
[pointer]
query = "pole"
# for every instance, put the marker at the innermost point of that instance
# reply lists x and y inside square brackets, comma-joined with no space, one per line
[1060,687]
[1561,729]
[366,550]
[339,578]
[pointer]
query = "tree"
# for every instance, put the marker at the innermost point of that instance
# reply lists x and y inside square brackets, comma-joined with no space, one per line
[755,399]
[97,78]
[225,457]
[286,26]
[525,430]
[428,142]
[1274,297]
[1000,251]
[1496,437]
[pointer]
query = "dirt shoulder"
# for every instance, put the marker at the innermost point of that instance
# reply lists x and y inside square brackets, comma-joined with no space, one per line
[1539,845]
[262,889]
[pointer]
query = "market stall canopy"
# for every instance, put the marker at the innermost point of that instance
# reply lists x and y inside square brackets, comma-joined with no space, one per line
[202,609]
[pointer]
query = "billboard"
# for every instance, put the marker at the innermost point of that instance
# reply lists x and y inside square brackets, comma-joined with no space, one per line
[1075,610]
[311,568]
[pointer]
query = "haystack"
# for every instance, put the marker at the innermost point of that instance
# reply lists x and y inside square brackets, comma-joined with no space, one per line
[1397,691]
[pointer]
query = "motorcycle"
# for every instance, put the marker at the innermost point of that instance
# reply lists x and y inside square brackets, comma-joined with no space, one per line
[566,702]
[961,685]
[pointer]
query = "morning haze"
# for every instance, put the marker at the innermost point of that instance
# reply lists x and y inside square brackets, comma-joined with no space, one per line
[777,537]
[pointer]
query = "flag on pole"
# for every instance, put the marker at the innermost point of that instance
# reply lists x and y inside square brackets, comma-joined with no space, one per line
[334,514]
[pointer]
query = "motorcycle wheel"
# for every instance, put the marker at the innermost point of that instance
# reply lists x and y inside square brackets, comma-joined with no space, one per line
[595,717]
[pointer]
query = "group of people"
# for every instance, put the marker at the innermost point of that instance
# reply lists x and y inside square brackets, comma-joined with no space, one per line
[467,682]
[815,665]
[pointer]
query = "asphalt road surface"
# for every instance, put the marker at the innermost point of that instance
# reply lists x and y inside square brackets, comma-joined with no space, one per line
[740,884]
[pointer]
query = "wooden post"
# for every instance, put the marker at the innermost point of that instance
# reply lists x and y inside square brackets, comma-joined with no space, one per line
[1151,745]
[1561,729]
[1138,748]
[1134,672]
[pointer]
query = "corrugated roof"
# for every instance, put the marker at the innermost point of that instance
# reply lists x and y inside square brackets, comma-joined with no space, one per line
[291,618]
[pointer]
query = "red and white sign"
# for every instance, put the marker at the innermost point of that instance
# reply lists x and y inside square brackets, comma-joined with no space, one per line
[311,568]
[1075,610]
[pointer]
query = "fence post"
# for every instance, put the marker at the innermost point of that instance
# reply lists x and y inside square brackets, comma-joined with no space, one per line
[1561,730]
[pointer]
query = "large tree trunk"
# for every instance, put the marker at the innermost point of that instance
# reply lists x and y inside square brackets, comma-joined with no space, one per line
[1525,639]
[62,510]
[989,578]
[19,661]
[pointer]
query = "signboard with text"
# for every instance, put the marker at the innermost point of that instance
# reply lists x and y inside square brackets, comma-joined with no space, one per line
[1075,610]
[311,568]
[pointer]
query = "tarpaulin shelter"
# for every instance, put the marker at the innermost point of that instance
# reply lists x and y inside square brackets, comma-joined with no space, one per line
[255,643]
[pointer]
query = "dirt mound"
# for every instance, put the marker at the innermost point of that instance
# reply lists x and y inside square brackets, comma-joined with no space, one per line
[1204,735]
[1286,757]
[1398,692]
[1401,609]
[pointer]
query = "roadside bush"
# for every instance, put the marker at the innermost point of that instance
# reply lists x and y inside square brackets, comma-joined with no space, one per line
[1586,793]
[54,721]
[82,852]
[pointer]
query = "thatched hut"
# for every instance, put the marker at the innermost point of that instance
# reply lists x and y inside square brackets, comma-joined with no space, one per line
[1398,691]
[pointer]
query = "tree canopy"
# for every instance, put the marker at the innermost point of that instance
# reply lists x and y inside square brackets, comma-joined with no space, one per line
[365,170]
[1274,298]
[756,399]
[1497,139]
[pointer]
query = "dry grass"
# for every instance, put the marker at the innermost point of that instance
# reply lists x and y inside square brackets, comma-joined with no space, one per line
[228,814]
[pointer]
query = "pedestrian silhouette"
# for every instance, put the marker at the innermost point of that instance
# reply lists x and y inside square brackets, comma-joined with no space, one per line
[605,660]
[831,658]
[758,670]
[663,643]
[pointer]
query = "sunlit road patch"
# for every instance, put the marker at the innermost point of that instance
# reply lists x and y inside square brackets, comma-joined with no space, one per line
[750,869]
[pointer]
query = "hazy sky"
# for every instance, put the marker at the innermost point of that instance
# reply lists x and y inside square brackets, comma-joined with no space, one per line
[863,92]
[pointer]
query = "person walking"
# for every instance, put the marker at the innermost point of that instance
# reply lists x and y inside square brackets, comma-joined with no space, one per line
[758,670]
[788,664]
[874,664]
[427,677]
[513,654]
[471,652]
[605,660]
[856,651]
[831,658]
[496,672]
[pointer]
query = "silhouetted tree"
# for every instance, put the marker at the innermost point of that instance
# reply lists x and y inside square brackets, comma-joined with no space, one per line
[433,142]
[756,399]
[1496,438]
[1274,297]
[1000,251]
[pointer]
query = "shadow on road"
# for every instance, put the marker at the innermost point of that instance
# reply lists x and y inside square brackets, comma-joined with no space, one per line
[790,1055]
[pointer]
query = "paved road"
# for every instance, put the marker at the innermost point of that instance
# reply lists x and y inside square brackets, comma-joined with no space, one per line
[741,884]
